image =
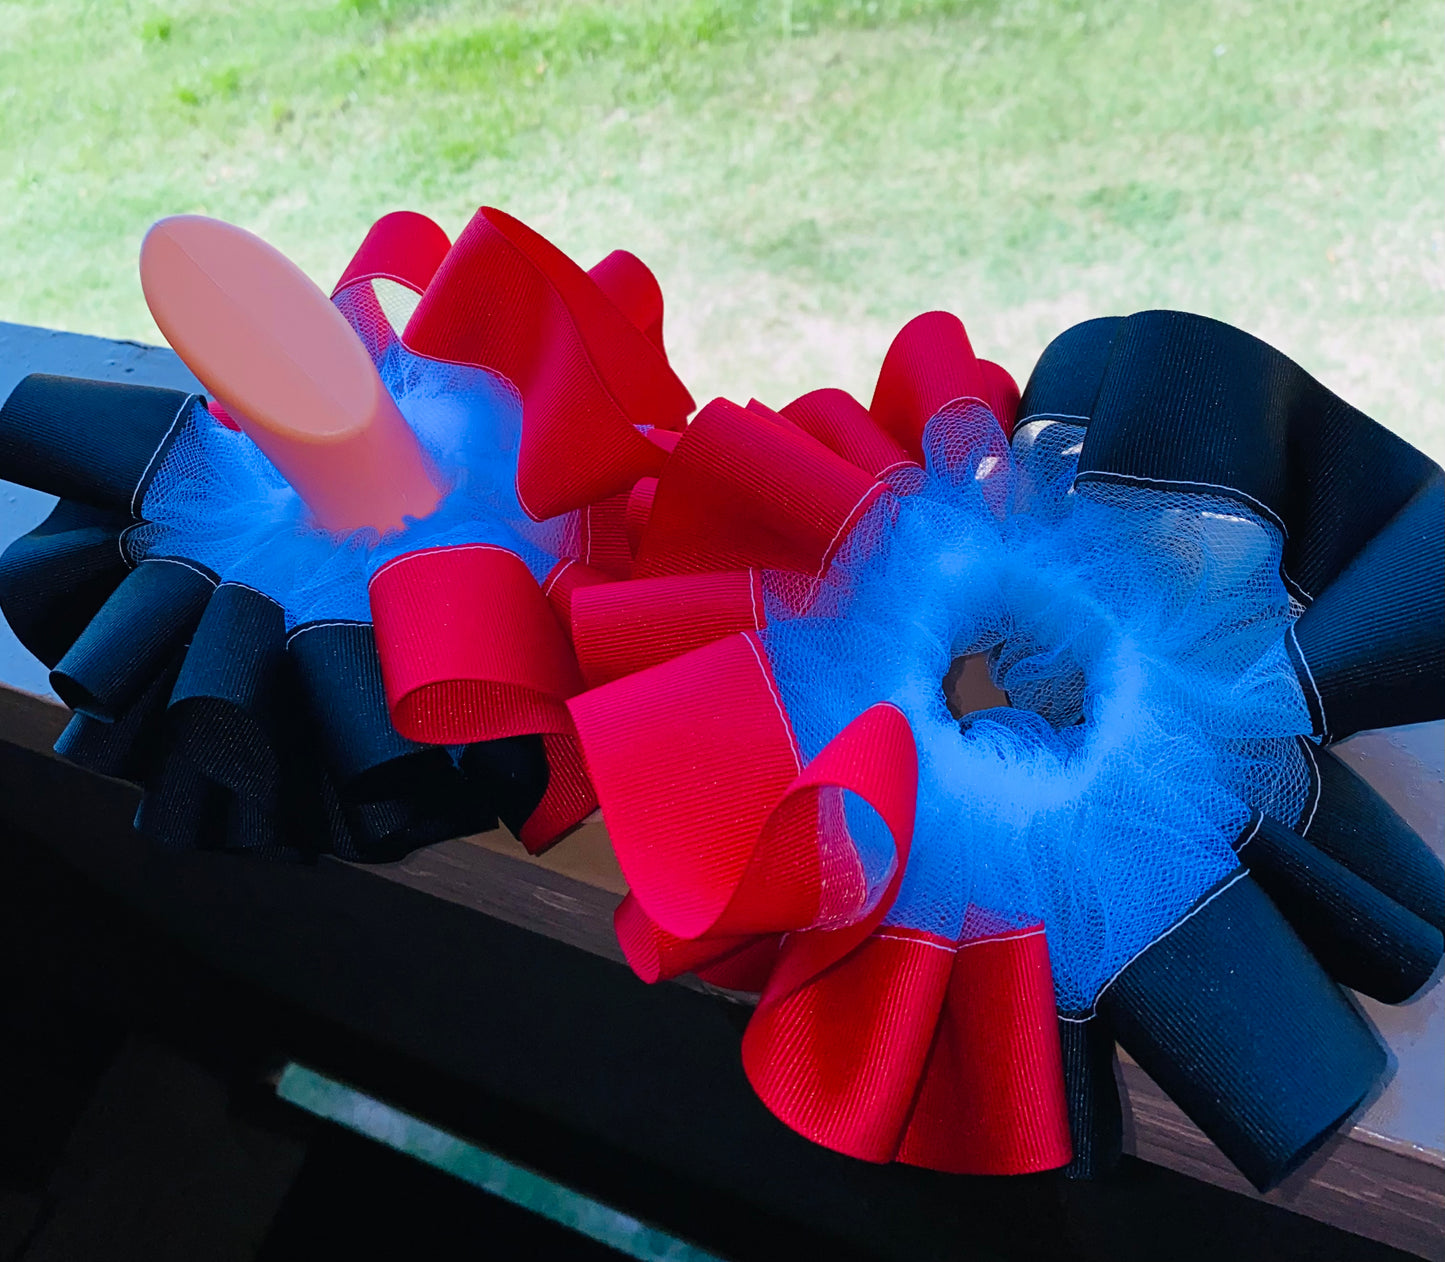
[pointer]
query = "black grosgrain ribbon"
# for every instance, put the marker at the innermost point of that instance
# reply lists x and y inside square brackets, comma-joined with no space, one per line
[242,736]
[1237,1012]
[1183,403]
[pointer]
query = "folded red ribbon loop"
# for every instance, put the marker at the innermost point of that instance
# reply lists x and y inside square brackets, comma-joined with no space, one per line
[929,365]
[470,651]
[838,421]
[911,1048]
[620,628]
[508,300]
[404,247]
[690,757]
[743,490]
[634,291]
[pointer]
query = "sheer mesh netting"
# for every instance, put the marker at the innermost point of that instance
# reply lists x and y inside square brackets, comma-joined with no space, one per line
[217,500]
[1140,638]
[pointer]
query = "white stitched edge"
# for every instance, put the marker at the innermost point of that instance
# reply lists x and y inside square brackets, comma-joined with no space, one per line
[873,492]
[1319,787]
[1310,675]
[777,701]
[1295,587]
[445,547]
[755,584]
[954,948]
[230,582]
[316,626]
[1103,475]
[371,276]
[1038,418]
[1238,876]
[557,573]
[120,543]
[194,569]
[1253,833]
[907,463]
[160,446]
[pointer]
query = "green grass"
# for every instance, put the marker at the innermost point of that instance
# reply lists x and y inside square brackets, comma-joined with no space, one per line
[803,176]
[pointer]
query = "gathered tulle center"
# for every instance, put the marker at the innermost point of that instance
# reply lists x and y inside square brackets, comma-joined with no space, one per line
[1139,637]
[218,500]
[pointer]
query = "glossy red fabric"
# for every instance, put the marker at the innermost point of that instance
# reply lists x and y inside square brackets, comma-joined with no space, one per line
[1003,394]
[805,884]
[564,579]
[619,628]
[992,1098]
[689,758]
[223,417]
[742,491]
[471,650]
[838,421]
[506,299]
[604,543]
[404,247]
[639,510]
[916,1049]
[656,955]
[634,291]
[929,365]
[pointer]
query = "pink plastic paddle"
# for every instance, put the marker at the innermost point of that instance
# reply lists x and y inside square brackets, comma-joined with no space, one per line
[268,344]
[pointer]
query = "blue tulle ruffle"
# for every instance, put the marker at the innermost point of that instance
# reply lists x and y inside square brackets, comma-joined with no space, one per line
[1140,637]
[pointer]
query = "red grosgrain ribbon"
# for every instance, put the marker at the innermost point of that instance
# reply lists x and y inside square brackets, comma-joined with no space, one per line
[838,421]
[917,1049]
[742,490]
[892,1044]
[506,299]
[404,247]
[741,963]
[563,582]
[656,955]
[634,291]
[620,628]
[470,650]
[929,365]
[889,1044]
[721,837]
[604,541]
[690,757]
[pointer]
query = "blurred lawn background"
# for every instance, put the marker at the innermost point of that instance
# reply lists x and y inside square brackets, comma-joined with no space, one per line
[803,176]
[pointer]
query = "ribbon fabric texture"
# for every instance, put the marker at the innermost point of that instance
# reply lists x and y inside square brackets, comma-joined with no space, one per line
[1182,565]
[1183,599]
[278,689]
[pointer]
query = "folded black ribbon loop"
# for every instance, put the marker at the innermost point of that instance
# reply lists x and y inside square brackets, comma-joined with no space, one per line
[1363,938]
[146,621]
[1374,639]
[340,674]
[1064,384]
[1179,402]
[131,747]
[54,579]
[385,830]
[1232,1016]
[98,442]
[184,809]
[1357,828]
[222,772]
[512,773]
[392,794]
[1096,1117]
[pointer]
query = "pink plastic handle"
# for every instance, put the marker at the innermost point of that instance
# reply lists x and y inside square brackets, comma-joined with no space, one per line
[282,360]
